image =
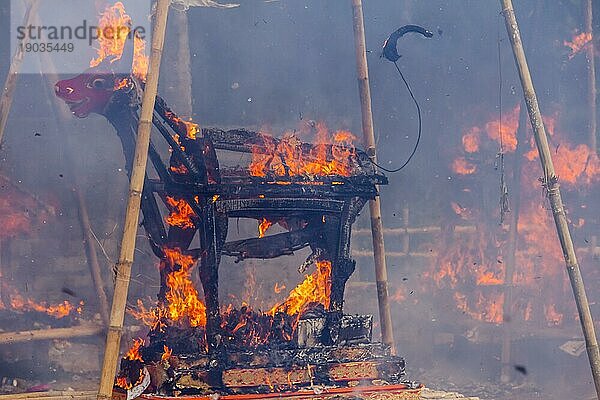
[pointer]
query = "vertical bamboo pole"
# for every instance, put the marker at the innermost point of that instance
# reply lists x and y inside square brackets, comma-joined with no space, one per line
[553,189]
[513,239]
[592,93]
[117,313]
[385,316]
[8,89]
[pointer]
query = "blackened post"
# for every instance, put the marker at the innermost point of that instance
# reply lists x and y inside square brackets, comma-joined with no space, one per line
[550,181]
[385,317]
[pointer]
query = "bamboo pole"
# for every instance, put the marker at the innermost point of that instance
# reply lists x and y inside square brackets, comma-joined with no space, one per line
[92,257]
[553,190]
[385,316]
[414,230]
[8,90]
[49,334]
[52,395]
[592,92]
[511,251]
[123,267]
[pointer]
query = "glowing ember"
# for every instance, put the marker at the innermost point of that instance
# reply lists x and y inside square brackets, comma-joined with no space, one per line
[180,169]
[263,226]
[114,27]
[316,288]
[578,43]
[329,156]
[181,213]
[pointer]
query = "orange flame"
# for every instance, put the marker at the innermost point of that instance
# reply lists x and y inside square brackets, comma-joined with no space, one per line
[180,169]
[152,317]
[263,226]
[113,29]
[573,164]
[316,288]
[167,352]
[552,316]
[505,131]
[183,303]
[485,308]
[58,311]
[191,129]
[471,140]
[132,354]
[578,43]
[182,296]
[286,157]
[463,167]
[134,351]
[181,213]
[472,267]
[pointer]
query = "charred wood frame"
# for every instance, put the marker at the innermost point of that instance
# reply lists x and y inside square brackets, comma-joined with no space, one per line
[317,210]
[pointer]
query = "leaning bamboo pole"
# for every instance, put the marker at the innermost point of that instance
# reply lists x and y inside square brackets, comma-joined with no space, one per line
[592,92]
[8,90]
[123,267]
[51,395]
[385,316]
[552,187]
[50,334]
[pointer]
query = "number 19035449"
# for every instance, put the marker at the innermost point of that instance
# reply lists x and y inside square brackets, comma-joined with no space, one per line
[46,47]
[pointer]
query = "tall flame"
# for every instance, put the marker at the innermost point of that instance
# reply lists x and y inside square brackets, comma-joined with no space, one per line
[183,305]
[316,288]
[114,27]
[183,299]
[263,226]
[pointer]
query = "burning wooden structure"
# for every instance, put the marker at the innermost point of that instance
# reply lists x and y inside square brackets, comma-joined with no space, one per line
[314,191]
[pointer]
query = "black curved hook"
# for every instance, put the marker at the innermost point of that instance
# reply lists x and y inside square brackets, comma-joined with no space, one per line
[390,51]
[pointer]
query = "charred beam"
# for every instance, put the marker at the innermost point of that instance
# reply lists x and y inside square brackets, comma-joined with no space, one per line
[271,246]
